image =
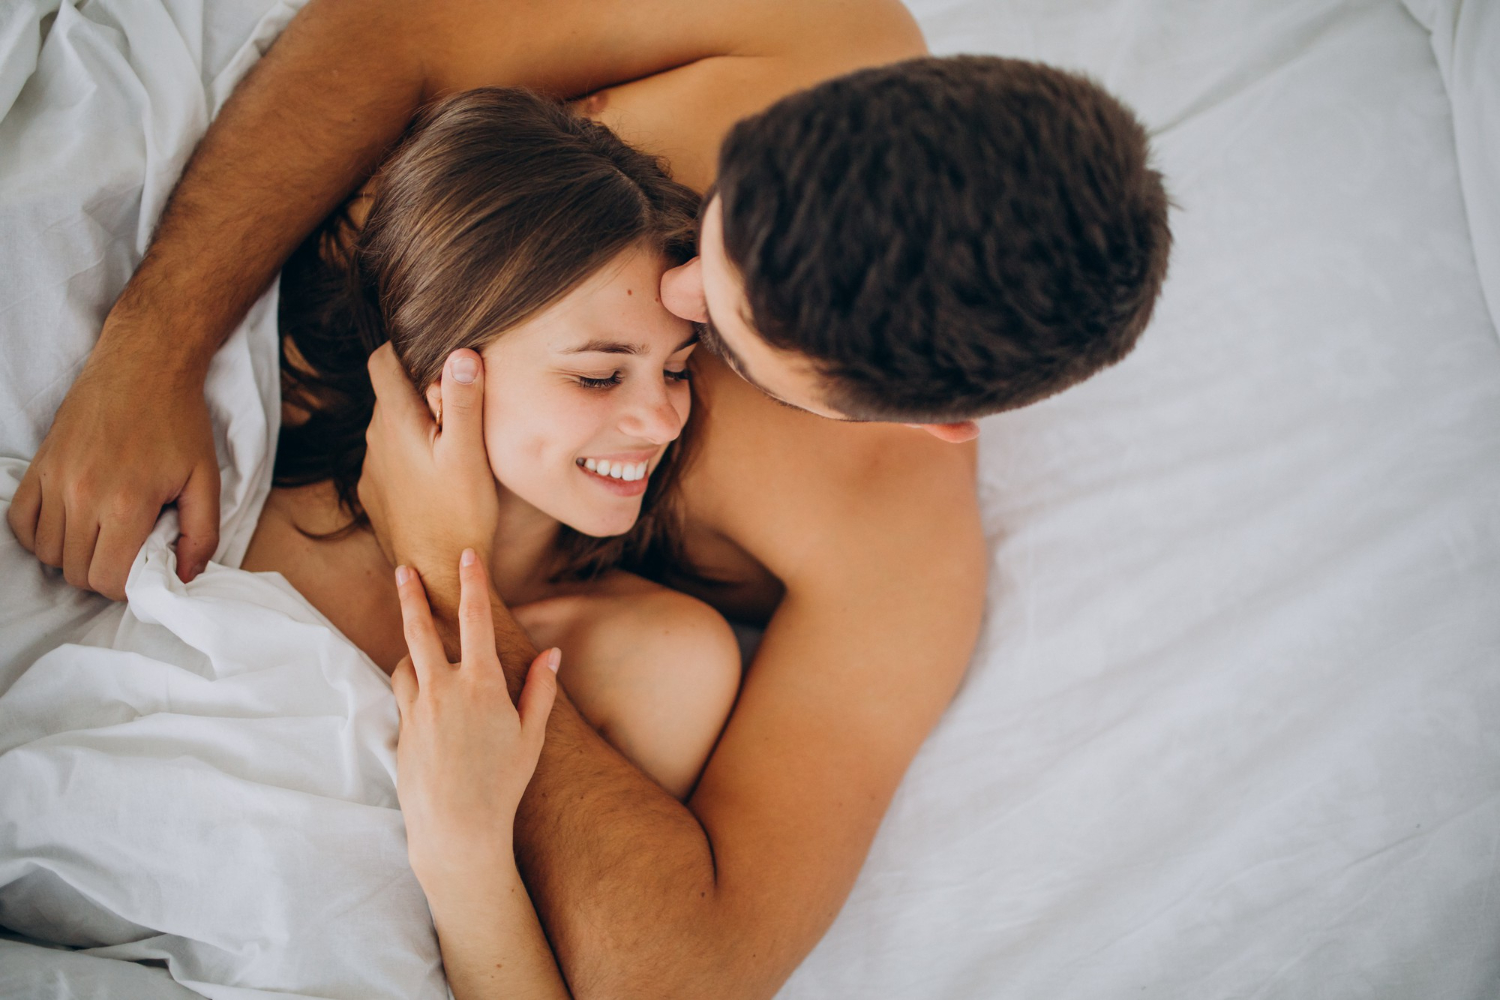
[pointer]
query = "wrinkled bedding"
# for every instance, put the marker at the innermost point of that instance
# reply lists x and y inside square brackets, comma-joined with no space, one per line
[1228,731]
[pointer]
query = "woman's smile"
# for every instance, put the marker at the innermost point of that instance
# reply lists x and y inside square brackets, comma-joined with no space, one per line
[623,474]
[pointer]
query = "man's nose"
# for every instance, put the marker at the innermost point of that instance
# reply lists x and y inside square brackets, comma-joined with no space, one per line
[682,291]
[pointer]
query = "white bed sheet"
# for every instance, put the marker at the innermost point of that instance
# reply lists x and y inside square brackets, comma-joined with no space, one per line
[205,778]
[1227,730]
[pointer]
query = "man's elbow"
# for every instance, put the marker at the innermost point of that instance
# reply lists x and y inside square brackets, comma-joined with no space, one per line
[686,961]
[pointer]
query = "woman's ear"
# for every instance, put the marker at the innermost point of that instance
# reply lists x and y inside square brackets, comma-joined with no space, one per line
[435,401]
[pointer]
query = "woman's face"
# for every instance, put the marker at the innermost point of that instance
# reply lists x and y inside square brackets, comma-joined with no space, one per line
[581,400]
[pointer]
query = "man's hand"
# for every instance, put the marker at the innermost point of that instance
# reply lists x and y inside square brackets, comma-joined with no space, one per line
[132,436]
[428,488]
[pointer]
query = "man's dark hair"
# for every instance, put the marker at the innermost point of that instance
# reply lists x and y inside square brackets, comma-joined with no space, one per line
[946,237]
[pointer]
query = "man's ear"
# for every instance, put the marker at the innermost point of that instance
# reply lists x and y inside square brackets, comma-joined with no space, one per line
[435,401]
[954,433]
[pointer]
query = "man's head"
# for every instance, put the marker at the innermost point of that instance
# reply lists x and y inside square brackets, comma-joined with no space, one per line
[929,242]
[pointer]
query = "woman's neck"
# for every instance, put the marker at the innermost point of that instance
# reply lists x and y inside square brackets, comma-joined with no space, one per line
[524,552]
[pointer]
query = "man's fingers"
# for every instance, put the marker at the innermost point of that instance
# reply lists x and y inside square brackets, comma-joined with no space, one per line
[78,550]
[537,696]
[476,627]
[416,624]
[50,525]
[394,391]
[463,401]
[26,508]
[115,551]
[198,521]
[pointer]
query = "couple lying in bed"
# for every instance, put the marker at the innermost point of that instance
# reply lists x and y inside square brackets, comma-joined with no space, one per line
[541,447]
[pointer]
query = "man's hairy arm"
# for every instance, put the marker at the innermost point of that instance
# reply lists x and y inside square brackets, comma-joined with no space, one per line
[883,600]
[303,130]
[643,897]
[875,532]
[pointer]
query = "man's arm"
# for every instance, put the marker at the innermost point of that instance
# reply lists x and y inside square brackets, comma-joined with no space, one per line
[309,123]
[875,531]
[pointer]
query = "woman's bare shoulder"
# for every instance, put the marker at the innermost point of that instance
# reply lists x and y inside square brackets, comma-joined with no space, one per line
[345,576]
[654,670]
[625,611]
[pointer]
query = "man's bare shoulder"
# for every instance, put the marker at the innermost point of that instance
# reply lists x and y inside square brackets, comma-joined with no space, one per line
[785,486]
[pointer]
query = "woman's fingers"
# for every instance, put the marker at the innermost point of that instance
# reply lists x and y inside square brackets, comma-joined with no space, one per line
[404,684]
[537,696]
[416,623]
[476,627]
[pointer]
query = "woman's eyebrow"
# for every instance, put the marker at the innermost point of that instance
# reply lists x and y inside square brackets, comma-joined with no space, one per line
[619,347]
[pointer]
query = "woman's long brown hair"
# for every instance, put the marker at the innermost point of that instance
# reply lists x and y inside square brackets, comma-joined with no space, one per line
[497,203]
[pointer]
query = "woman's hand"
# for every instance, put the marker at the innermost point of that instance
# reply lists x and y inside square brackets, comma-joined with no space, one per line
[465,753]
[428,489]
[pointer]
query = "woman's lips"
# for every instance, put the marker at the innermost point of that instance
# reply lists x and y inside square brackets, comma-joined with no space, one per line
[618,487]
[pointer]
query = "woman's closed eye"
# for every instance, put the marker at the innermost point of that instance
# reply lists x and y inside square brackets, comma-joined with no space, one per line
[615,378]
[606,382]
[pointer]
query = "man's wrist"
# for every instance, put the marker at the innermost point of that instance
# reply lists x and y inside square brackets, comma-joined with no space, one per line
[156,351]
[438,568]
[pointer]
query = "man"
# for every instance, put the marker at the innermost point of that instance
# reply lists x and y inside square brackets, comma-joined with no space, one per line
[902,280]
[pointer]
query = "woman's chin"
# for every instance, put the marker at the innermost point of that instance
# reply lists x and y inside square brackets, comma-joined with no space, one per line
[603,523]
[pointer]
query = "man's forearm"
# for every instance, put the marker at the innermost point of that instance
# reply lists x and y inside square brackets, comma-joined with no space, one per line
[316,115]
[301,131]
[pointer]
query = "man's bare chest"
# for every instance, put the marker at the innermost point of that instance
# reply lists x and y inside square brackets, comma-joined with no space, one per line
[733,581]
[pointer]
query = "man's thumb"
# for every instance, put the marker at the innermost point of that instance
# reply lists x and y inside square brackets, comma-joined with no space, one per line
[463,398]
[198,520]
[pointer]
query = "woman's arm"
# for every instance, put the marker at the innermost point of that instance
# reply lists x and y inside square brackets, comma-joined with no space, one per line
[464,757]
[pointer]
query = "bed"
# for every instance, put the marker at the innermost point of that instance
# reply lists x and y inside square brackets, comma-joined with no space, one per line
[1229,729]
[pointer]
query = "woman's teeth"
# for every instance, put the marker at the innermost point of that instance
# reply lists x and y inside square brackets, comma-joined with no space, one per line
[626,471]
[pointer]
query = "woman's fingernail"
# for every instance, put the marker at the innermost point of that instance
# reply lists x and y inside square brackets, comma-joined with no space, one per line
[464,370]
[402,575]
[468,558]
[554,659]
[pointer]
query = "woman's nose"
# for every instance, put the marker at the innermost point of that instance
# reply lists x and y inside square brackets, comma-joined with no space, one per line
[654,416]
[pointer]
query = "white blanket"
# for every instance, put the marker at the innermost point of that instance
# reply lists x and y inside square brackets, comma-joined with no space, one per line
[1229,729]
[204,780]
[207,778]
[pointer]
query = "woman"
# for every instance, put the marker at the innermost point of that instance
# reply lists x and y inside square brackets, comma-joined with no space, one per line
[507,226]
